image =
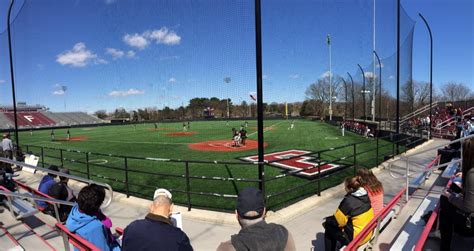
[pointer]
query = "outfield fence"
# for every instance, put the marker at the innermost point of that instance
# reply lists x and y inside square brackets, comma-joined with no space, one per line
[192,185]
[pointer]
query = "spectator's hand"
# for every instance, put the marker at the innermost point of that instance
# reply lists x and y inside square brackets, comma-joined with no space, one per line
[458,174]
[447,193]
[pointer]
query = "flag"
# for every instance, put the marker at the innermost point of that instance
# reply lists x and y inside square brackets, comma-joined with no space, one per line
[328,39]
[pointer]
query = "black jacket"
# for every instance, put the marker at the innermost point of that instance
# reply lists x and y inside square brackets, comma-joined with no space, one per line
[154,233]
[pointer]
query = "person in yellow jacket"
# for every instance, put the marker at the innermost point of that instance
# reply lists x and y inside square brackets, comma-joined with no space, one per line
[352,215]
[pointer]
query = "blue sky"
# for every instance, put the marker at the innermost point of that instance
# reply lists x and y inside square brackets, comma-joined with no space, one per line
[111,53]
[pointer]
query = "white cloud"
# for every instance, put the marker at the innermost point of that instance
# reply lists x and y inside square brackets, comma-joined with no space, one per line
[172,80]
[161,36]
[116,53]
[59,92]
[130,54]
[126,93]
[79,56]
[379,66]
[2,81]
[327,74]
[136,40]
[265,77]
[294,76]
[391,77]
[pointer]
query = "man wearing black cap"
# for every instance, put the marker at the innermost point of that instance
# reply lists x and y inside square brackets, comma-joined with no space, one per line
[256,234]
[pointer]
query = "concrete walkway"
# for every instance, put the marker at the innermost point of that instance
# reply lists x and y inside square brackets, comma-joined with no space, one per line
[206,229]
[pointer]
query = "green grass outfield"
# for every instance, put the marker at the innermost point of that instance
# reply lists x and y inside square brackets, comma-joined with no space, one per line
[142,141]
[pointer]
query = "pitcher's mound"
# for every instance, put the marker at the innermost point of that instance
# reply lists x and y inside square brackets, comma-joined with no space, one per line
[224,146]
[79,138]
[179,134]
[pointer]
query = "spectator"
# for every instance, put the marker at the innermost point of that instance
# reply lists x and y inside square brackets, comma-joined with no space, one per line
[156,231]
[7,146]
[86,219]
[45,185]
[256,234]
[457,209]
[373,187]
[352,215]
[62,191]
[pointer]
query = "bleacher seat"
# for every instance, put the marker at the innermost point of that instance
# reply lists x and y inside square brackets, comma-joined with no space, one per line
[451,169]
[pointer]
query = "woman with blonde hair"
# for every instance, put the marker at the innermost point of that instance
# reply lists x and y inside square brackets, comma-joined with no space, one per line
[373,187]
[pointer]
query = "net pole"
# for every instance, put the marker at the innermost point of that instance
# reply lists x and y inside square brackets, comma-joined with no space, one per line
[431,71]
[258,55]
[10,8]
[380,88]
[353,100]
[363,89]
[398,74]
[372,105]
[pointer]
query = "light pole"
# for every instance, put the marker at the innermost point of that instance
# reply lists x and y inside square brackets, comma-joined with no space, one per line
[363,88]
[328,40]
[431,70]
[353,98]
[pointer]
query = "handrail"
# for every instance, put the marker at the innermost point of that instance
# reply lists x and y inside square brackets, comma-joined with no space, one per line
[105,205]
[422,108]
[85,243]
[406,156]
[6,192]
[426,230]
[353,245]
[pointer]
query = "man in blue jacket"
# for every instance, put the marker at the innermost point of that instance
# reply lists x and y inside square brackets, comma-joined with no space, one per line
[85,219]
[46,183]
[156,231]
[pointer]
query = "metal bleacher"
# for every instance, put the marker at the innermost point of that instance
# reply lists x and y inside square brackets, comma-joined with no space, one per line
[24,227]
[72,118]
[5,123]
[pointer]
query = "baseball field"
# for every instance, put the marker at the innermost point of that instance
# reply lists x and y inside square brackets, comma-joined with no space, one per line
[201,160]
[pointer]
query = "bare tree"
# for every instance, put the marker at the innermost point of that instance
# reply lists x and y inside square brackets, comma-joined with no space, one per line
[453,91]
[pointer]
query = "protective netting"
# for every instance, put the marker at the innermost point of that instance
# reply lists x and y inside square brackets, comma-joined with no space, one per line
[174,84]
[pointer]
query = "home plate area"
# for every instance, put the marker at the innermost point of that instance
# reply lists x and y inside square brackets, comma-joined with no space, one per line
[298,162]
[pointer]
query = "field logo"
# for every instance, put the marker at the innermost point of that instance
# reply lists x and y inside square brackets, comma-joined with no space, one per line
[297,163]
[29,118]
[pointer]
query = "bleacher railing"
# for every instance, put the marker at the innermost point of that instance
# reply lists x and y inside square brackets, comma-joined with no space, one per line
[407,157]
[127,171]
